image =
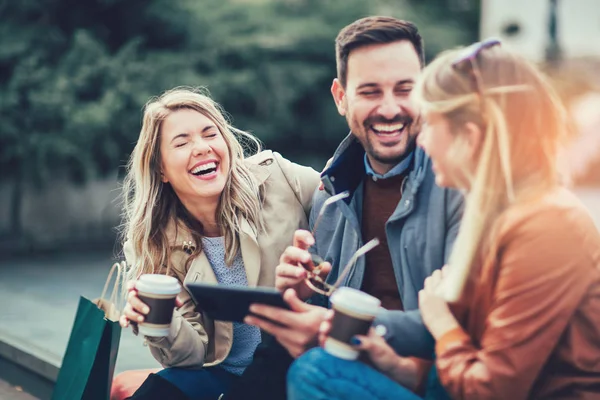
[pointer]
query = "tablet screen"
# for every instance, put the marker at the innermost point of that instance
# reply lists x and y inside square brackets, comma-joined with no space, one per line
[232,303]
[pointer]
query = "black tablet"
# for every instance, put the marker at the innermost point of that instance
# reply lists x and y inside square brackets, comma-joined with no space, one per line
[232,303]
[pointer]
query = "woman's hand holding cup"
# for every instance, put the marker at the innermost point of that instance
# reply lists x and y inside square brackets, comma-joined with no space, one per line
[150,303]
[383,357]
[353,314]
[400,369]
[379,352]
[135,309]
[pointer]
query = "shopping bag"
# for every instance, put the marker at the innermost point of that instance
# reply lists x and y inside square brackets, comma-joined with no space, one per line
[89,362]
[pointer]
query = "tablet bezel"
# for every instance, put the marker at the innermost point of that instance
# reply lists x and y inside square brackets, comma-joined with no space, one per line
[232,303]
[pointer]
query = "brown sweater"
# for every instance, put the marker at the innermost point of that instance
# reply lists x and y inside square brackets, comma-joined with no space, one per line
[379,202]
[531,325]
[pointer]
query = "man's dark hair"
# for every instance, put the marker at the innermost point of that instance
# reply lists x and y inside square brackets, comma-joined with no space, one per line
[373,30]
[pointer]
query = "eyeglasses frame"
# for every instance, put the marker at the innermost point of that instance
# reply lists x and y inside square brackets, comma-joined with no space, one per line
[313,278]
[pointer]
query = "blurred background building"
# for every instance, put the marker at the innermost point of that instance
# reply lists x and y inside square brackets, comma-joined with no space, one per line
[563,35]
[526,26]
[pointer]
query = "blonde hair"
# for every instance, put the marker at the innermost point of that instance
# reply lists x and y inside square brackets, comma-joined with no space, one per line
[523,123]
[151,205]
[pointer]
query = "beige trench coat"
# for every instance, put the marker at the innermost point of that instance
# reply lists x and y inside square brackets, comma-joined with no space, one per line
[195,340]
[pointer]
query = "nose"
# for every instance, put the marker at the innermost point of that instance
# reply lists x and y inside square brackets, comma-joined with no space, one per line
[390,106]
[200,147]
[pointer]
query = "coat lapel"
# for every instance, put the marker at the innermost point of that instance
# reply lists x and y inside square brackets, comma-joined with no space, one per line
[200,270]
[250,253]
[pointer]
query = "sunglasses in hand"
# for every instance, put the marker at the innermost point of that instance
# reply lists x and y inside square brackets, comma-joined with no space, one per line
[313,277]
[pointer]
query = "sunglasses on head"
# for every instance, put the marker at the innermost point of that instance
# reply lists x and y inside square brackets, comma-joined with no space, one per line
[466,62]
[313,277]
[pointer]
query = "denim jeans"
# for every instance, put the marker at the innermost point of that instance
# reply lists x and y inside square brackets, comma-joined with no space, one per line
[200,384]
[318,375]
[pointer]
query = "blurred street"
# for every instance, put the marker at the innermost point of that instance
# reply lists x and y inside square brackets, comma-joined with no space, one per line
[43,293]
[9,392]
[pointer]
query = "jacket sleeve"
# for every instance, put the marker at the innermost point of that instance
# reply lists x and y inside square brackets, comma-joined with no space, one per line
[185,345]
[542,278]
[406,333]
[318,199]
[303,180]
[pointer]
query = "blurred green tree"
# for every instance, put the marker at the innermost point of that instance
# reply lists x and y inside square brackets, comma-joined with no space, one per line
[74,75]
[73,78]
[271,63]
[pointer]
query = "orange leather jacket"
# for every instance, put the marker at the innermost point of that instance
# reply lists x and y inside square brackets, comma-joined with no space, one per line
[531,323]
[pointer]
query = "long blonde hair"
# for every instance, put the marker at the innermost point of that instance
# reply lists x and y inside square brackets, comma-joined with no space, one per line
[524,123]
[151,205]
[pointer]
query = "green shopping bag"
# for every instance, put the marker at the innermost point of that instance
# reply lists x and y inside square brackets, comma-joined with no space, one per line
[89,362]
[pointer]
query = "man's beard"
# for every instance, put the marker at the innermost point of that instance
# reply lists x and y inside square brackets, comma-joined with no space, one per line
[410,131]
[392,159]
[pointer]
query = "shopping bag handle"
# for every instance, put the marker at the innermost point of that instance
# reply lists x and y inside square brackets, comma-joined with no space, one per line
[119,280]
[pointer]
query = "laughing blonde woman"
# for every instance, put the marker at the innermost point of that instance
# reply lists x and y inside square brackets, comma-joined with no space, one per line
[197,209]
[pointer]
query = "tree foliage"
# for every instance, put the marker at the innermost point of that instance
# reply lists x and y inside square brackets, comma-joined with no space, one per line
[74,75]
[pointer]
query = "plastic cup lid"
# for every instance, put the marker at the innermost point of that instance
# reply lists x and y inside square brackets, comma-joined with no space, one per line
[158,284]
[356,301]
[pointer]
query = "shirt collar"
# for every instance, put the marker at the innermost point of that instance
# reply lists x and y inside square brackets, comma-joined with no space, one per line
[397,170]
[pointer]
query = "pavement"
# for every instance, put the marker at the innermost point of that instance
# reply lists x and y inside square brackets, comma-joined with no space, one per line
[39,297]
[9,392]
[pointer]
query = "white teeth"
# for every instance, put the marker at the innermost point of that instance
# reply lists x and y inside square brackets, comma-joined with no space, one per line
[386,128]
[204,167]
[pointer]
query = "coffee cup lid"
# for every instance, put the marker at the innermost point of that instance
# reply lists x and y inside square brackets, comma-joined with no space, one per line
[158,284]
[355,300]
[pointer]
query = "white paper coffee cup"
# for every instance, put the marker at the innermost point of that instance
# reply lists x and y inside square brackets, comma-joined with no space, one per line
[158,292]
[354,312]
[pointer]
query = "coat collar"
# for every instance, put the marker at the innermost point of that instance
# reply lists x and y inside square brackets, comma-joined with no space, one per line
[248,246]
[347,170]
[178,235]
[250,253]
[259,171]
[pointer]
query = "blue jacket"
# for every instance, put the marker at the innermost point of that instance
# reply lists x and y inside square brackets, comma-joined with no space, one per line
[420,234]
